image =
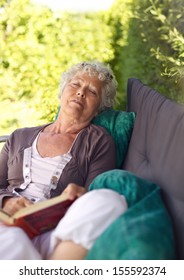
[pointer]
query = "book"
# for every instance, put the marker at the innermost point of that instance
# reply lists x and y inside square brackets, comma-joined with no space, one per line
[40,217]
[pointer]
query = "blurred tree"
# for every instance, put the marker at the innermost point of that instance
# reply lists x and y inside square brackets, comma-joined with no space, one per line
[155,50]
[118,18]
[3,3]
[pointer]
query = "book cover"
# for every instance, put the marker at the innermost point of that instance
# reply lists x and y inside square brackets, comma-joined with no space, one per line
[40,217]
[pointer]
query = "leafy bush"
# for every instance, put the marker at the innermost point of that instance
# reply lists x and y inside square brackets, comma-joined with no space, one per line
[155,46]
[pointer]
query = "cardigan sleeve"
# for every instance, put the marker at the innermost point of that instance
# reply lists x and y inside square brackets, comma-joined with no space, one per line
[4,158]
[4,165]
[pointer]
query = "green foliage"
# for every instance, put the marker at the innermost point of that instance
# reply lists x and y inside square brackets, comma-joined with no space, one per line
[3,3]
[118,18]
[155,49]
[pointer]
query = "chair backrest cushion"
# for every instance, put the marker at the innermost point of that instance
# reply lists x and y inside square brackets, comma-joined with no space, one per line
[156,149]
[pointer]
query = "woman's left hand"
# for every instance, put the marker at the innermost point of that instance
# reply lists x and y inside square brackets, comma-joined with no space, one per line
[12,204]
[74,191]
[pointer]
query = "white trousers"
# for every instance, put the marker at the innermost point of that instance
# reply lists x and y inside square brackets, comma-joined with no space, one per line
[86,219]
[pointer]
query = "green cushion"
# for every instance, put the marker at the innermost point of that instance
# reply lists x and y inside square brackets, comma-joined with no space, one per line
[144,231]
[119,124]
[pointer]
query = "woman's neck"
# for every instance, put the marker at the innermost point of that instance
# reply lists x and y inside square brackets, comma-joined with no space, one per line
[67,125]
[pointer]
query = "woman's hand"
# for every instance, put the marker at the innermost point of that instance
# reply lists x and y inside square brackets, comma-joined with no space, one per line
[13,204]
[74,191]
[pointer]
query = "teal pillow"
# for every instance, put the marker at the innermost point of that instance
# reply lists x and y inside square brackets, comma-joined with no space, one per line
[119,124]
[144,231]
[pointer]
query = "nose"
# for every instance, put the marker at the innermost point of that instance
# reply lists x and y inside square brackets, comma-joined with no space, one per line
[80,93]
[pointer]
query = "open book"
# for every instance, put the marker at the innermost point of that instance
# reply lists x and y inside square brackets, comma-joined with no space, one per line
[39,217]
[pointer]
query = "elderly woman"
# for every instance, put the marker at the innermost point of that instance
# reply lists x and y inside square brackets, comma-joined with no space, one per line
[41,162]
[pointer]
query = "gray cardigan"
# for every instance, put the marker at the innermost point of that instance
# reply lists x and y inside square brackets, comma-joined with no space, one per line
[93,152]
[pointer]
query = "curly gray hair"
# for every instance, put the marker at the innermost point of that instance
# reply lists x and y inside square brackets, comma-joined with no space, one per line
[104,73]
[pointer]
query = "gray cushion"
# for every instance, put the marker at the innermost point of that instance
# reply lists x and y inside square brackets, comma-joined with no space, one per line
[156,148]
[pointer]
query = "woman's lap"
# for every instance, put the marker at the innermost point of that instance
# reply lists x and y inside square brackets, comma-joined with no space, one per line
[16,245]
[86,219]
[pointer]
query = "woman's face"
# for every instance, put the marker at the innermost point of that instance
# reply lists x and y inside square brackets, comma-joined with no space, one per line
[82,96]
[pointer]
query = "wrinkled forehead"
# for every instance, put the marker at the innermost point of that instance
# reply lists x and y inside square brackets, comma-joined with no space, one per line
[92,81]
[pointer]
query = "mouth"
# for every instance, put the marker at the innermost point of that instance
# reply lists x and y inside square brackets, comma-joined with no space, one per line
[76,101]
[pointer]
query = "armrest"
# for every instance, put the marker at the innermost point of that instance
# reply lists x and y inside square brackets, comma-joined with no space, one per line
[3,138]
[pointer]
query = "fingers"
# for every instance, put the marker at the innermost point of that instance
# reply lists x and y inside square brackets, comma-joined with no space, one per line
[23,202]
[13,204]
[74,191]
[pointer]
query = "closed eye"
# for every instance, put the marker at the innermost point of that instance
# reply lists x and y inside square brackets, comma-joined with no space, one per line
[75,85]
[92,91]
